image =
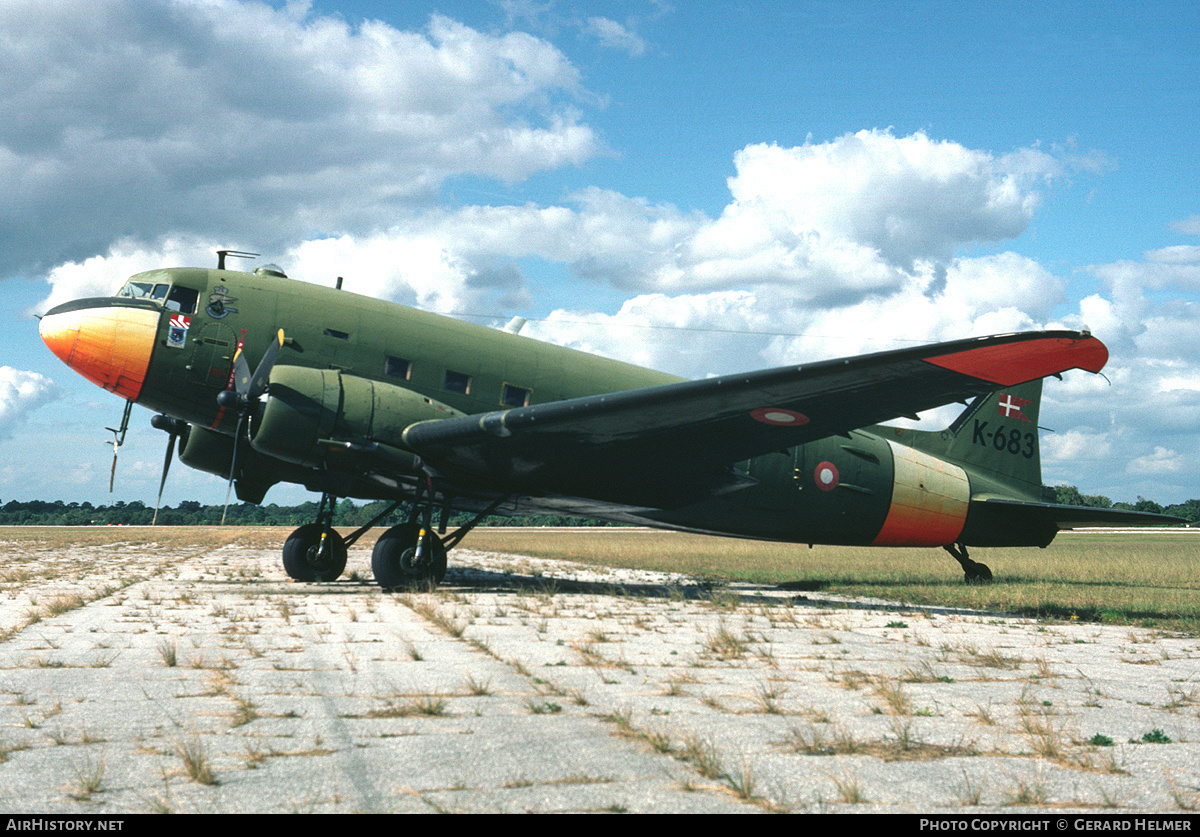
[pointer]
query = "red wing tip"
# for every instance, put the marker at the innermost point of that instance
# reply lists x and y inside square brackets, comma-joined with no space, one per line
[1011,363]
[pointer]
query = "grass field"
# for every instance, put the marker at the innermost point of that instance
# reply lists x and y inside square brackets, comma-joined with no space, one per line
[1148,578]
[1145,578]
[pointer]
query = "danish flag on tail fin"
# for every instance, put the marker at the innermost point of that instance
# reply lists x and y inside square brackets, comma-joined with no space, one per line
[1010,407]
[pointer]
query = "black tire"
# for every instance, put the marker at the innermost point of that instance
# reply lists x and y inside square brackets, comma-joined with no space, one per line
[301,554]
[392,560]
[976,573]
[385,558]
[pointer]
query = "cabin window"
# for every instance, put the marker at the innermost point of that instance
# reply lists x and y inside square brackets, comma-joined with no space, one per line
[457,382]
[183,299]
[511,396]
[397,367]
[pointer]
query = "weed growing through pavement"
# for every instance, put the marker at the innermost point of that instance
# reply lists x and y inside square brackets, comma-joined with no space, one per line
[89,775]
[168,653]
[893,695]
[194,756]
[726,645]
[848,788]
[815,740]
[969,792]
[478,688]
[701,754]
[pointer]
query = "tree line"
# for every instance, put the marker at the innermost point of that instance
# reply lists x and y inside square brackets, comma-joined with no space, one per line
[351,514]
[193,513]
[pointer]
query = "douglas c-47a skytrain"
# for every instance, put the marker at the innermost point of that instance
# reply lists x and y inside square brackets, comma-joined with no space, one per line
[355,397]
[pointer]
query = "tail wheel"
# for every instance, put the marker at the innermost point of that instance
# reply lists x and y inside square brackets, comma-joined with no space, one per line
[314,552]
[973,571]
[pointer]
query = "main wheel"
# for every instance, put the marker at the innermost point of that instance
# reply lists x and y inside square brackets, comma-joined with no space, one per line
[309,557]
[393,561]
[385,558]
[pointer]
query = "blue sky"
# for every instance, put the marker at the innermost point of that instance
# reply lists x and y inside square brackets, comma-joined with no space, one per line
[854,176]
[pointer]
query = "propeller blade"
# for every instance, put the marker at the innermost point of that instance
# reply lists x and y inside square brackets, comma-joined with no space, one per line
[233,463]
[163,482]
[247,389]
[241,373]
[262,375]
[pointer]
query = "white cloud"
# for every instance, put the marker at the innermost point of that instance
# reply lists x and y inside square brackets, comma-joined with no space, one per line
[1074,446]
[769,263]
[1189,225]
[907,197]
[1161,461]
[219,115]
[612,34]
[20,393]
[104,275]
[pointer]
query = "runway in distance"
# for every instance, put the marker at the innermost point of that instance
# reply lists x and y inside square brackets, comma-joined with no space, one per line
[262,379]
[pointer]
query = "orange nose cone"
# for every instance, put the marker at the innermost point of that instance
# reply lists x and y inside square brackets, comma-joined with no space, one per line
[108,345]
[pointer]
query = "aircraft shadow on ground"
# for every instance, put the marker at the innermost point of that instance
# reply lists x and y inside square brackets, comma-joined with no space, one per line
[472,580]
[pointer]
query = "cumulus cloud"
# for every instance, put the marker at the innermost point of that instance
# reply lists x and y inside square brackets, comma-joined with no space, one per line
[1161,461]
[20,393]
[907,197]
[103,275]
[834,222]
[219,115]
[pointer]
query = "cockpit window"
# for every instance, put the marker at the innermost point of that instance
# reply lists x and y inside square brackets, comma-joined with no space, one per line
[176,298]
[138,290]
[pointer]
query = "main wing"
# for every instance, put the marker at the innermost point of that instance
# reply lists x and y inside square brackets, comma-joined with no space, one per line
[668,445]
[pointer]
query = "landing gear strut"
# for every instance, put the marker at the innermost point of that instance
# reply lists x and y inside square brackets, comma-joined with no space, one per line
[973,571]
[409,554]
[412,553]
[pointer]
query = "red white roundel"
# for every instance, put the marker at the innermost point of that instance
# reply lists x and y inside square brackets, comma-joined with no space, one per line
[779,416]
[826,476]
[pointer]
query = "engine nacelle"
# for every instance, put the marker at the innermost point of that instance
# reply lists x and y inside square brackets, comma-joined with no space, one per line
[310,413]
[212,452]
